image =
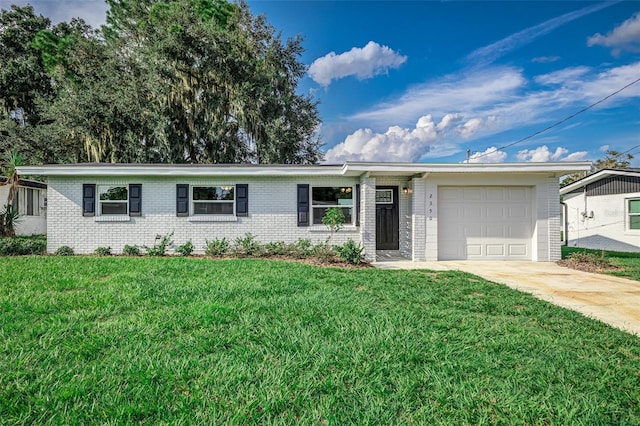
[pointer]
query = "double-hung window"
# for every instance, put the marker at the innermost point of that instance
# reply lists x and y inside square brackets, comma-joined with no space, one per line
[633,213]
[213,200]
[325,197]
[113,200]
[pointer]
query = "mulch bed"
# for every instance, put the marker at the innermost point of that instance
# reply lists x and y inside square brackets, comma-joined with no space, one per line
[588,266]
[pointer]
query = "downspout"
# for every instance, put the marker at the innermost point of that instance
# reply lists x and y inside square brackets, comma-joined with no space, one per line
[565,227]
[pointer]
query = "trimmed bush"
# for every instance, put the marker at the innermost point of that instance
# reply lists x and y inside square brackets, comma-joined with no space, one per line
[64,251]
[20,246]
[217,247]
[131,250]
[350,252]
[247,245]
[185,249]
[160,248]
[102,251]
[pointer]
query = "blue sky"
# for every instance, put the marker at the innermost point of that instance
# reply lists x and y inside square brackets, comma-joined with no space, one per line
[427,81]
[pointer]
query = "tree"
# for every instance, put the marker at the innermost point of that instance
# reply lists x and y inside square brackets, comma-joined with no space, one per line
[9,216]
[612,160]
[195,81]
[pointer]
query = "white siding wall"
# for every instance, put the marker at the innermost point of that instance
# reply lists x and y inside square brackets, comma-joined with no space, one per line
[28,225]
[607,229]
[272,214]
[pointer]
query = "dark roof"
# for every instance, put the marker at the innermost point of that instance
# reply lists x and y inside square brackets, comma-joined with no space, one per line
[27,183]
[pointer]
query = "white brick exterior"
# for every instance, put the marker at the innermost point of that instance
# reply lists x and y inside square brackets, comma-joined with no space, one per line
[273,204]
[272,214]
[606,228]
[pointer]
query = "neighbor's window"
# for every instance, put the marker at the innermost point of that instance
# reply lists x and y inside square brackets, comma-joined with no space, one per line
[26,201]
[634,213]
[213,199]
[324,197]
[113,199]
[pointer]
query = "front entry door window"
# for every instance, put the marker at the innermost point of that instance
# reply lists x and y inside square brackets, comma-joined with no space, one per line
[387,218]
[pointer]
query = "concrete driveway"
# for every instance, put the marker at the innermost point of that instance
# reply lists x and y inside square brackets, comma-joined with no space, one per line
[613,300]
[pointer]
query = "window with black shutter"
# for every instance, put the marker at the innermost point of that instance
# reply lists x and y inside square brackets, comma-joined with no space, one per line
[182,199]
[135,199]
[242,199]
[303,205]
[88,199]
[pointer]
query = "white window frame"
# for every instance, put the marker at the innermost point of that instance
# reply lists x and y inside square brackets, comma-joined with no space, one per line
[327,206]
[628,214]
[99,202]
[192,202]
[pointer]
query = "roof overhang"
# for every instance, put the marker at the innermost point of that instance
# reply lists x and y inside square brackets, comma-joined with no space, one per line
[424,169]
[349,168]
[177,170]
[601,174]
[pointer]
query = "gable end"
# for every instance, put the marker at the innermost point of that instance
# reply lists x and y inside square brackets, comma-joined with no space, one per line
[614,185]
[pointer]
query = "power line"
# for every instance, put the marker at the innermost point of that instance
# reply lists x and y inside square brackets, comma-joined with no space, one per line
[557,123]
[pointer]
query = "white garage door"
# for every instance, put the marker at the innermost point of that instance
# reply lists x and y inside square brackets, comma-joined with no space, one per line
[485,222]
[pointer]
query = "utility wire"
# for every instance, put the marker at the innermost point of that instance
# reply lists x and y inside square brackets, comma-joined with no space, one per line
[557,123]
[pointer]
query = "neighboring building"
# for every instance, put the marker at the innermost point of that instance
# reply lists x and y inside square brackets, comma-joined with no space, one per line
[506,211]
[30,202]
[602,210]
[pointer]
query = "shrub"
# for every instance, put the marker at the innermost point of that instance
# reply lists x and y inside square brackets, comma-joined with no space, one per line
[303,248]
[160,248]
[20,246]
[247,245]
[102,251]
[350,252]
[277,248]
[185,249]
[9,218]
[217,247]
[598,260]
[131,250]
[324,252]
[333,219]
[64,251]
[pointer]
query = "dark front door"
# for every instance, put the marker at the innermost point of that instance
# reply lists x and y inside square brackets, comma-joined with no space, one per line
[387,218]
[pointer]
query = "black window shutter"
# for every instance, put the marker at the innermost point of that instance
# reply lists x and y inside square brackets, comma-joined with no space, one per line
[242,199]
[135,199]
[182,199]
[303,205]
[88,199]
[357,204]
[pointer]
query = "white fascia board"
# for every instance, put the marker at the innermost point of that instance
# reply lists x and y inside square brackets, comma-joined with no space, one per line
[595,177]
[556,168]
[178,171]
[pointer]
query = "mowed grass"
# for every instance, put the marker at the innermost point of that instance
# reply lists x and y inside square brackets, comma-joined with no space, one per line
[88,340]
[628,262]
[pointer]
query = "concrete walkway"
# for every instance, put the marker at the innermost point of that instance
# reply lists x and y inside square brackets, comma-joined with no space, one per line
[613,300]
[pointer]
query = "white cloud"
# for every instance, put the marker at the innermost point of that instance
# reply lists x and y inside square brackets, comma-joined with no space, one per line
[449,95]
[366,62]
[604,148]
[488,54]
[485,102]
[563,76]
[543,154]
[489,155]
[625,36]
[398,143]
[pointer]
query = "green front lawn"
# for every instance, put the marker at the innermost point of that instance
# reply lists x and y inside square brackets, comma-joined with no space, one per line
[87,340]
[628,262]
